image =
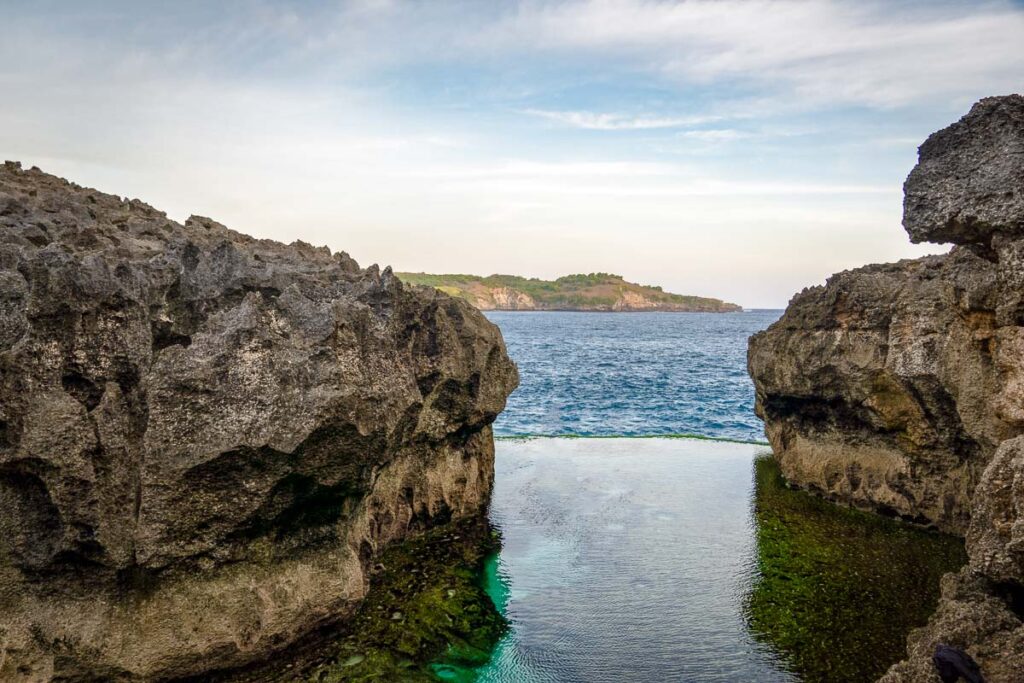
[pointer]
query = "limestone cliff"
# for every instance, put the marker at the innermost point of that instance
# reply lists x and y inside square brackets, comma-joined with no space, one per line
[206,439]
[900,388]
[593,292]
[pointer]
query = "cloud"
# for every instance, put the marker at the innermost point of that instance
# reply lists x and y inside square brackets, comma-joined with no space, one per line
[714,135]
[432,135]
[608,121]
[820,52]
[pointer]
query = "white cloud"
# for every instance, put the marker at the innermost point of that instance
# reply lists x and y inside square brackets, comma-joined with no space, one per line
[334,126]
[815,51]
[714,135]
[609,121]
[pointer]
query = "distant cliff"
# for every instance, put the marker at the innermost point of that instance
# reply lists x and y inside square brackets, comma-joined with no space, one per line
[591,292]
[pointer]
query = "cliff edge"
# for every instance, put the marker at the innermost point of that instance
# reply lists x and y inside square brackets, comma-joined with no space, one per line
[589,292]
[899,388]
[206,440]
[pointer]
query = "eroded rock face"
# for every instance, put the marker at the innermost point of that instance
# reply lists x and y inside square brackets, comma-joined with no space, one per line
[891,386]
[205,438]
[966,187]
[900,388]
[982,607]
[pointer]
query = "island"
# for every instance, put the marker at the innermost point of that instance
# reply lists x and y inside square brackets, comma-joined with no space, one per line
[580,292]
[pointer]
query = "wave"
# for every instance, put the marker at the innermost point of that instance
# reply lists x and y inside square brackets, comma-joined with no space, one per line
[697,437]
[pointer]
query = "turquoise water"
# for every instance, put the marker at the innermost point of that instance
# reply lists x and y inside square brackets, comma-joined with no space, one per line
[635,374]
[641,559]
[626,560]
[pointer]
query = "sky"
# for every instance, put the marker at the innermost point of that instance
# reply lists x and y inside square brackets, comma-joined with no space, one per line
[742,150]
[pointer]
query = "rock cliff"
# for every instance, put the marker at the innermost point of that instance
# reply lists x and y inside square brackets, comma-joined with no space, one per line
[593,292]
[206,439]
[900,388]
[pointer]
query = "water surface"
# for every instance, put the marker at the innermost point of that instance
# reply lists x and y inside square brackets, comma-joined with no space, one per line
[684,560]
[658,559]
[626,560]
[635,374]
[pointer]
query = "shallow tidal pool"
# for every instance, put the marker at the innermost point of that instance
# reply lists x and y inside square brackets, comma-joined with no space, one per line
[680,559]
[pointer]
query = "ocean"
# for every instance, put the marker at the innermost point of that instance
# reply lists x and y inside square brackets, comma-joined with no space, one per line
[631,374]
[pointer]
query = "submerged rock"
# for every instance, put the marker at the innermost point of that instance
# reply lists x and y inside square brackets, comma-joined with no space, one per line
[207,439]
[900,388]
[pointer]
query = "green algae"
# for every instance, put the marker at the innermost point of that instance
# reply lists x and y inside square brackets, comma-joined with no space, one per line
[672,435]
[839,589]
[458,665]
[427,615]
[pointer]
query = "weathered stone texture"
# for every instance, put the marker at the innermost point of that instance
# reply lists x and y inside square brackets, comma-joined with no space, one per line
[967,185]
[205,438]
[891,386]
[900,388]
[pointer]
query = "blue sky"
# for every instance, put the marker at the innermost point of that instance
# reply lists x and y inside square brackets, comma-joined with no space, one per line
[735,149]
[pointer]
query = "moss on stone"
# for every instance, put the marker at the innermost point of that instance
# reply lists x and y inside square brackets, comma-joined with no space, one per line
[839,589]
[426,604]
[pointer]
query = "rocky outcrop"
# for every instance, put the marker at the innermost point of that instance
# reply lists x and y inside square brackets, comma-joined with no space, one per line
[506,299]
[206,439]
[891,386]
[965,188]
[900,388]
[878,388]
[982,607]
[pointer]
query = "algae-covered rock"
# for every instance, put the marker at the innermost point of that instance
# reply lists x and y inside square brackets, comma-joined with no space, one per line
[836,589]
[206,439]
[976,616]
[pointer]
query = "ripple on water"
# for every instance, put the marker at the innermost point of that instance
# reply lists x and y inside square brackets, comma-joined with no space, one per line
[631,374]
[643,560]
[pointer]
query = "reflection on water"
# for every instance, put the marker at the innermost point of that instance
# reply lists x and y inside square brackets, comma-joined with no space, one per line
[638,560]
[626,560]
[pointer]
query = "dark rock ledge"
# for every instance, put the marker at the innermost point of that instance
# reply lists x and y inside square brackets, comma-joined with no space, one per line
[899,388]
[207,440]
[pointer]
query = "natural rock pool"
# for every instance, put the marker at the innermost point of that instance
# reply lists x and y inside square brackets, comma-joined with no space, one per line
[684,559]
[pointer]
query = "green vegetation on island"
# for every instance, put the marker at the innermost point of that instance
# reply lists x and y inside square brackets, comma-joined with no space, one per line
[581,292]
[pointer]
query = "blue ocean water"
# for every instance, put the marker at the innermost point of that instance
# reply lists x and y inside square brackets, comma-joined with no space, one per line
[631,374]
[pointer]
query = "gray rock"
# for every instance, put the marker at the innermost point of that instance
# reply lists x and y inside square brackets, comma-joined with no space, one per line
[900,388]
[206,438]
[980,609]
[974,616]
[878,388]
[995,541]
[892,386]
[968,185]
